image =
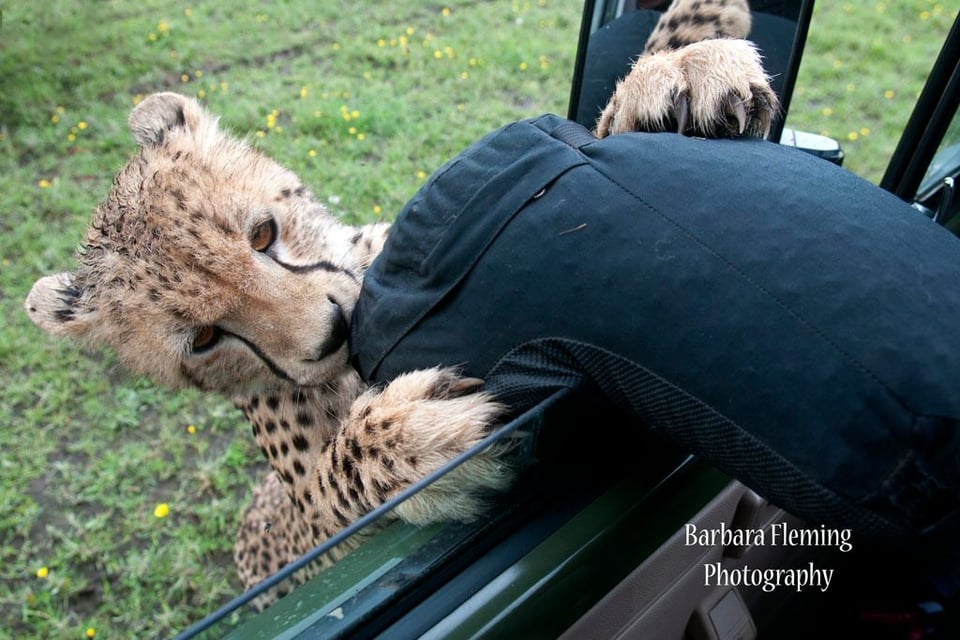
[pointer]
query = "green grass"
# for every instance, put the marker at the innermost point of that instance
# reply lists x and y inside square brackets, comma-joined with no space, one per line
[363,100]
[862,72]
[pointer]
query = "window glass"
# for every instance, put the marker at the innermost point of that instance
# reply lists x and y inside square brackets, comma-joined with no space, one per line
[946,162]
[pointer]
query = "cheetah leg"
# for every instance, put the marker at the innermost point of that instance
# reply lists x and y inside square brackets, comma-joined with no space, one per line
[391,439]
[714,88]
[273,533]
[270,536]
[398,435]
[688,21]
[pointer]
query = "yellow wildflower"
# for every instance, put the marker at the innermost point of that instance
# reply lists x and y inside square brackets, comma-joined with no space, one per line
[191,429]
[445,11]
[43,572]
[361,136]
[43,183]
[889,94]
[81,125]
[377,210]
[163,26]
[91,632]
[162,510]
[312,153]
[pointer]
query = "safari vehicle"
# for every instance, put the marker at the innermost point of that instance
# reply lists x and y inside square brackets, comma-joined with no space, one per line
[594,541]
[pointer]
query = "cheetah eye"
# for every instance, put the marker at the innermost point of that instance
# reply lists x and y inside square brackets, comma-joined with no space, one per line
[263,235]
[205,338]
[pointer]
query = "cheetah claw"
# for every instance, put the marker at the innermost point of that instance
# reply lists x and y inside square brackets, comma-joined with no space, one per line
[683,112]
[735,104]
[714,88]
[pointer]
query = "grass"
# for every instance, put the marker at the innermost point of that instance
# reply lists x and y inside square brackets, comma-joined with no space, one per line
[363,101]
[863,69]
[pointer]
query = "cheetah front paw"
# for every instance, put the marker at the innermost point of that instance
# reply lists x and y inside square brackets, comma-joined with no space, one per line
[714,88]
[418,423]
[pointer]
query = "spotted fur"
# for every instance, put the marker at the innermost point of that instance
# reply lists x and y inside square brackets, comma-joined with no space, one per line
[697,76]
[211,266]
[689,21]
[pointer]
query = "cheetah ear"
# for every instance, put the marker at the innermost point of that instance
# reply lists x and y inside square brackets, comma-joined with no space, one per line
[161,113]
[54,304]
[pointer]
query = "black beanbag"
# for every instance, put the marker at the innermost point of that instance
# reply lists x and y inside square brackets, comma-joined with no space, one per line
[766,310]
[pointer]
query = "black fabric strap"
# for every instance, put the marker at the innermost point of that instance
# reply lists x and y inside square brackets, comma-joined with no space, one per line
[573,134]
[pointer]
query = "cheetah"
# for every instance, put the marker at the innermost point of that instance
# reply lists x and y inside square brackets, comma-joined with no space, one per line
[209,265]
[696,75]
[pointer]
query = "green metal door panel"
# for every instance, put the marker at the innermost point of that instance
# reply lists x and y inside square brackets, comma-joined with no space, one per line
[552,586]
[327,596]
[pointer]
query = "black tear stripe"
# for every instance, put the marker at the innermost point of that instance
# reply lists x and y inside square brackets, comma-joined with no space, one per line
[323,265]
[276,370]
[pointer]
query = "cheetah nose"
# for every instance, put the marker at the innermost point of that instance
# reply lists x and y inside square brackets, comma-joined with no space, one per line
[339,331]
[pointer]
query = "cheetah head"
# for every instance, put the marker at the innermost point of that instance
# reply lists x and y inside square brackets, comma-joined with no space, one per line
[208,264]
